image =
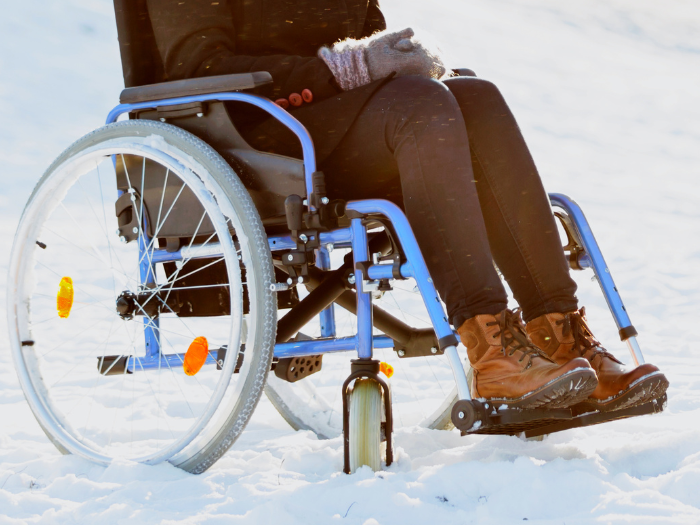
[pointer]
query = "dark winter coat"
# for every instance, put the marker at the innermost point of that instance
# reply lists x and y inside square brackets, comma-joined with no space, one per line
[196,38]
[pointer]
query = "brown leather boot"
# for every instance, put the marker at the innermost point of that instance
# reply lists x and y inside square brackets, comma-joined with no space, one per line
[509,369]
[566,336]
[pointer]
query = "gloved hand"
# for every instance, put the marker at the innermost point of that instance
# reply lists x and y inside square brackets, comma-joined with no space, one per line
[397,52]
[358,62]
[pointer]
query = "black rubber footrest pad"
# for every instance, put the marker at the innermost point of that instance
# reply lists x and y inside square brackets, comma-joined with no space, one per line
[537,422]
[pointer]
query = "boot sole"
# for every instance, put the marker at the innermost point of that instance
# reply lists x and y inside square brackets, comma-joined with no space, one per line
[564,391]
[643,390]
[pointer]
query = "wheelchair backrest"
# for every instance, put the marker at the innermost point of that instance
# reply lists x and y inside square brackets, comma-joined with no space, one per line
[269,178]
[141,62]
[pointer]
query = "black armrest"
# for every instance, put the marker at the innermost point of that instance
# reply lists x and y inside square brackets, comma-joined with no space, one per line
[464,72]
[195,86]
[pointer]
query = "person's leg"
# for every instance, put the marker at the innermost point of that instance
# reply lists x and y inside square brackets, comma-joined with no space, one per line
[526,246]
[521,228]
[410,145]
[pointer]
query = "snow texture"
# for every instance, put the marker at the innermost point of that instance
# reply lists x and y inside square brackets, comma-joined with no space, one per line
[606,93]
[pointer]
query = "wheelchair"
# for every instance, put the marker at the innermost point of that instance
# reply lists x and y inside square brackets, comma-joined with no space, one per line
[168,237]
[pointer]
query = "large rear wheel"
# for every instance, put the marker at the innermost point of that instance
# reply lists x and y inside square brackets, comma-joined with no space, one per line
[104,303]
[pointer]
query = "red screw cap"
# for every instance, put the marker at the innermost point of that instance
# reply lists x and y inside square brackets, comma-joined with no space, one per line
[295,99]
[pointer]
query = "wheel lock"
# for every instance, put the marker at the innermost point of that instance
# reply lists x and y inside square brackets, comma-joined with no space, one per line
[293,369]
[305,227]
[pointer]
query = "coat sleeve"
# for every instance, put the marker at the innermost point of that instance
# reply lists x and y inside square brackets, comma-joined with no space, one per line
[196,38]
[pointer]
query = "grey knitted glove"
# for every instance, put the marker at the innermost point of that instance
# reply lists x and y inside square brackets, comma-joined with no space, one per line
[358,62]
[399,52]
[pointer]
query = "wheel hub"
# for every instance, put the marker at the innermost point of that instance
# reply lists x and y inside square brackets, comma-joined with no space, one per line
[130,304]
[126,305]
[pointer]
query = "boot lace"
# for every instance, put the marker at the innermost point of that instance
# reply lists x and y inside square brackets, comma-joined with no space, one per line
[584,340]
[514,337]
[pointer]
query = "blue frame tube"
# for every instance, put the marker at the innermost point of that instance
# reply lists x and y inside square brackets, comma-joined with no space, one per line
[296,127]
[147,274]
[360,253]
[602,272]
[385,271]
[282,350]
[607,285]
[339,238]
[416,267]
[165,362]
[419,271]
[327,316]
[325,346]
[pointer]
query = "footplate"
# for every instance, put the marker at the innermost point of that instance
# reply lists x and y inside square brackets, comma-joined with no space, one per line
[579,419]
[475,417]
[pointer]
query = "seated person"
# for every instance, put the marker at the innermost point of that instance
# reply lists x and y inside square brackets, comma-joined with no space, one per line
[388,122]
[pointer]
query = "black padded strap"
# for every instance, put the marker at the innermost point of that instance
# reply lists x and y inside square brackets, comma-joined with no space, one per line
[195,86]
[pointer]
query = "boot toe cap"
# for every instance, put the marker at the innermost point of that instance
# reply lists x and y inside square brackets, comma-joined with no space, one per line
[576,363]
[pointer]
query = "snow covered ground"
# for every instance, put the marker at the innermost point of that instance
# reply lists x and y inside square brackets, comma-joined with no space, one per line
[608,96]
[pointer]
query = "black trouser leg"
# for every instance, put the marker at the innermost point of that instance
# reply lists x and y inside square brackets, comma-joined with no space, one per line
[521,228]
[410,145]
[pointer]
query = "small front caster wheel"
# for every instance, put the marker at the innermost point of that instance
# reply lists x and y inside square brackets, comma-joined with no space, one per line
[366,408]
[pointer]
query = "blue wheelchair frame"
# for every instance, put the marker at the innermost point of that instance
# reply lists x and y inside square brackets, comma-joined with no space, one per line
[355,237]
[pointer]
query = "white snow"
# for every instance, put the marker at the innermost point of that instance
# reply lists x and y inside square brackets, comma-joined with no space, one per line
[607,95]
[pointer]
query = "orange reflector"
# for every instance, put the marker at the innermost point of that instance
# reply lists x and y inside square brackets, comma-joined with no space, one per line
[196,356]
[386,369]
[64,298]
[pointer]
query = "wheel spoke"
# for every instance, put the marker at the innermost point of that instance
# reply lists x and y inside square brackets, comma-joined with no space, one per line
[99,254]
